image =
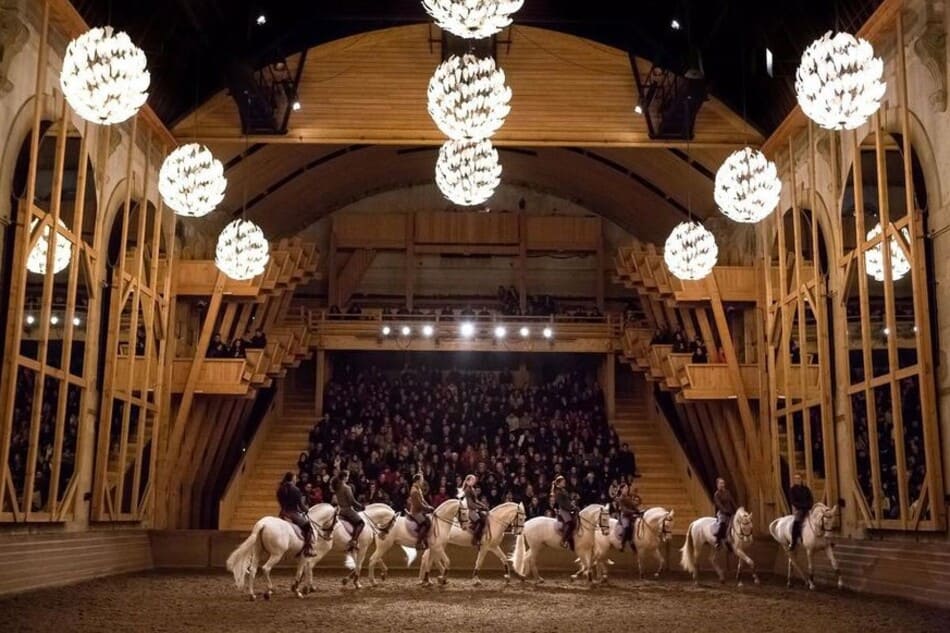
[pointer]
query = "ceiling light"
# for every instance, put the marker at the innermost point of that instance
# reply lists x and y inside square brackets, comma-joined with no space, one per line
[769,63]
[468,98]
[638,109]
[427,330]
[30,319]
[690,252]
[62,254]
[467,330]
[261,20]
[406,330]
[524,331]
[500,331]
[104,76]
[77,321]
[467,172]
[54,320]
[242,251]
[386,330]
[675,24]
[874,256]
[747,186]
[887,331]
[295,105]
[547,332]
[472,19]
[839,81]
[192,181]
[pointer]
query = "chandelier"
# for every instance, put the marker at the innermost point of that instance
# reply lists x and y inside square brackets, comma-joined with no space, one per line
[839,81]
[467,172]
[874,256]
[192,181]
[242,252]
[468,98]
[472,19]
[690,252]
[747,186]
[62,254]
[104,77]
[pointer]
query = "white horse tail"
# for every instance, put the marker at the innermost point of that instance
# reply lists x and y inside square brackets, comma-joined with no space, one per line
[519,555]
[350,561]
[773,529]
[687,559]
[245,555]
[410,555]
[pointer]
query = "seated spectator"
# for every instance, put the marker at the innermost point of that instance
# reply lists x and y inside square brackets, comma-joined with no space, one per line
[700,355]
[238,348]
[257,340]
[217,348]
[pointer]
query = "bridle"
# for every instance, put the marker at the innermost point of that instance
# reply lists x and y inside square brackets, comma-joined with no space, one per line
[602,523]
[826,524]
[741,531]
[516,525]
[665,531]
[324,532]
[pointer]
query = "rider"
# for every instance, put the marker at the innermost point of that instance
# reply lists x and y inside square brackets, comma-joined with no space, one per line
[725,508]
[348,506]
[419,510]
[628,501]
[476,509]
[801,500]
[293,508]
[566,510]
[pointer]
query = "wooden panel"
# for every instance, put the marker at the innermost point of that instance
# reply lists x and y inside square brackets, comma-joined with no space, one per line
[224,376]
[714,382]
[379,230]
[197,277]
[562,233]
[140,370]
[35,561]
[467,228]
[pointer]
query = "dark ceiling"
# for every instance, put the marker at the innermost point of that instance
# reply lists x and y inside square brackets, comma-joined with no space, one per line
[192,43]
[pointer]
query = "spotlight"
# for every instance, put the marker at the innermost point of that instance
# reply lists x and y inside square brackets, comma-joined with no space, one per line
[638,109]
[467,330]
[887,331]
[675,24]
[77,321]
[547,332]
[261,20]
[30,319]
[54,320]
[915,329]
[406,330]
[295,105]
[427,330]
[525,332]
[500,331]
[386,330]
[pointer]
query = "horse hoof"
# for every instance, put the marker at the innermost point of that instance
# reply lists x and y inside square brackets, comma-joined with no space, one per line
[357,585]
[267,596]
[477,582]
[840,584]
[739,584]
[811,586]
[253,597]
[299,595]
[344,581]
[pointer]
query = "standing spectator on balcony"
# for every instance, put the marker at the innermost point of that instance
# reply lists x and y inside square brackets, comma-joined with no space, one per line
[700,355]
[795,351]
[217,348]
[140,340]
[627,461]
[679,343]
[257,341]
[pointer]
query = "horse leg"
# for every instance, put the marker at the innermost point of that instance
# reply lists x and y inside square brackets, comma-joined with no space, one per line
[788,575]
[811,570]
[743,557]
[298,577]
[271,562]
[533,566]
[830,551]
[478,565]
[382,546]
[504,561]
[251,574]
[661,562]
[715,564]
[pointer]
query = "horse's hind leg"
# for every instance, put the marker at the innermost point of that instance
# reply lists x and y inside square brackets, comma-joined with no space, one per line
[661,561]
[271,562]
[715,563]
[830,551]
[811,569]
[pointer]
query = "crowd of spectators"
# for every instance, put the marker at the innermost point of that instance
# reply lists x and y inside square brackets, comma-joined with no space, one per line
[516,438]
[18,456]
[238,347]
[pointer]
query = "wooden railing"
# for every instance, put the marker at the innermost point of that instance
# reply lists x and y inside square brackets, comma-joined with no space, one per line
[643,267]
[219,376]
[713,381]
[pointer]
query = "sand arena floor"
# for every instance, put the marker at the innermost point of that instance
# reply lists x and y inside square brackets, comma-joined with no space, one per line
[159,601]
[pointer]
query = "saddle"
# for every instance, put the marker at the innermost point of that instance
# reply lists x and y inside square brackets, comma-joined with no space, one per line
[296,528]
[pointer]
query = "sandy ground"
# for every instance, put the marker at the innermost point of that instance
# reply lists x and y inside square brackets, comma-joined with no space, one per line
[159,601]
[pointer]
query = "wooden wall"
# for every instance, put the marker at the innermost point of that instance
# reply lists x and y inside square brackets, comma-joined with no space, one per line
[34,561]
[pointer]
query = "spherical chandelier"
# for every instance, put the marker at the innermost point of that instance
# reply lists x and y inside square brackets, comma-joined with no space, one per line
[192,180]
[747,186]
[62,254]
[690,252]
[104,77]
[467,172]
[242,251]
[472,19]
[839,81]
[874,256]
[468,98]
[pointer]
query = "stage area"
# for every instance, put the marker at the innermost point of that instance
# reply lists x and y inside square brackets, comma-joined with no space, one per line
[175,601]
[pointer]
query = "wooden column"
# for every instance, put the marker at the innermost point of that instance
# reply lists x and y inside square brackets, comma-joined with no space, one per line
[321,373]
[599,281]
[523,261]
[410,258]
[609,384]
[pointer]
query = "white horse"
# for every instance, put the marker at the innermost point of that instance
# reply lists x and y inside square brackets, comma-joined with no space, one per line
[815,530]
[651,531]
[702,532]
[378,519]
[443,517]
[542,531]
[504,517]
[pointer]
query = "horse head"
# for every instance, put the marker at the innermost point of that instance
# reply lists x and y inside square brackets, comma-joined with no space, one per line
[665,525]
[322,517]
[452,510]
[742,525]
[823,518]
[603,519]
[517,524]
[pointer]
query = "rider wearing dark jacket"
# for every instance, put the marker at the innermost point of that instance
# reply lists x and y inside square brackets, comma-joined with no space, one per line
[801,499]
[476,509]
[628,502]
[725,508]
[293,508]
[566,509]
[347,506]
[419,510]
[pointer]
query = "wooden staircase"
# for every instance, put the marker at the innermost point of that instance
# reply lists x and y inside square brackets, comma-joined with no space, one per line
[661,483]
[282,442]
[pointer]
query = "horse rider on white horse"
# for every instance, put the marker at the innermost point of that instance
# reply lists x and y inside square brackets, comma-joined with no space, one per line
[566,510]
[725,510]
[420,510]
[477,511]
[628,502]
[293,508]
[802,500]
[348,507]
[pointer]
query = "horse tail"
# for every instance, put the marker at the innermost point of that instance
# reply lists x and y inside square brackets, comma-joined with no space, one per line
[410,555]
[519,555]
[773,530]
[245,555]
[687,560]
